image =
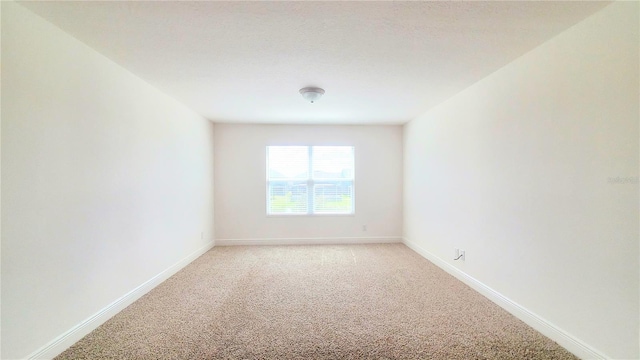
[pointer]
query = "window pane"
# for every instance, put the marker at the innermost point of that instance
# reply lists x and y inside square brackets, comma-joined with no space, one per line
[332,162]
[288,162]
[335,197]
[288,197]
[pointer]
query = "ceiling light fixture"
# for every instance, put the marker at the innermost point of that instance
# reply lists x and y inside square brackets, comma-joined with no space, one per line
[312,94]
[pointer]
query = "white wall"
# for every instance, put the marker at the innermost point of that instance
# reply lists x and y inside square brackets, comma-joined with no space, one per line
[106,182]
[516,170]
[240,192]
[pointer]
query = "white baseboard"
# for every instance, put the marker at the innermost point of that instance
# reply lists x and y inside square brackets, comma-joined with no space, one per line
[566,340]
[311,241]
[71,336]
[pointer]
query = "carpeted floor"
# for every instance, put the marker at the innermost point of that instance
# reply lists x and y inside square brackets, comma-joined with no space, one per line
[379,301]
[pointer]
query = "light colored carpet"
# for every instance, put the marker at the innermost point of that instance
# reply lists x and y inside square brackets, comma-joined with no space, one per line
[379,301]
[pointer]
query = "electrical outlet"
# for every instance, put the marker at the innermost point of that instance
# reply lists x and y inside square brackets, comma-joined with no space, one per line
[364,227]
[461,255]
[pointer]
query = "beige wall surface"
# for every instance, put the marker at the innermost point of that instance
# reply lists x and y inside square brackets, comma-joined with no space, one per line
[534,172]
[240,176]
[106,182]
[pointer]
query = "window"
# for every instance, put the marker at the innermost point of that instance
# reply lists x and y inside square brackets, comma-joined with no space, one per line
[310,180]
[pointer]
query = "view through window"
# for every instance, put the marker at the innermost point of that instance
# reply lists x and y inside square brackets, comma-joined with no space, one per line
[310,180]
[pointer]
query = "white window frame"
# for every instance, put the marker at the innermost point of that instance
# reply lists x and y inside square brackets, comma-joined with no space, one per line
[311,182]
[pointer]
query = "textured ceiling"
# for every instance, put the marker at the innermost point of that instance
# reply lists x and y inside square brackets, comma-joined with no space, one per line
[379,62]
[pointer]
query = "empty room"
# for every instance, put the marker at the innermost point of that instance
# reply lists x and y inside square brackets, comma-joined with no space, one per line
[320,180]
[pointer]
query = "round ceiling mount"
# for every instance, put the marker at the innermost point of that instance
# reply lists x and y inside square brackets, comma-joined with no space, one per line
[311,94]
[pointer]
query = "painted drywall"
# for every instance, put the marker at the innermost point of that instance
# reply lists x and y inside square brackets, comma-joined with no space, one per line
[534,172]
[240,191]
[106,182]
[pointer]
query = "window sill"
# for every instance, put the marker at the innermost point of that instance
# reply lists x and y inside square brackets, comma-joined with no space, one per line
[309,215]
